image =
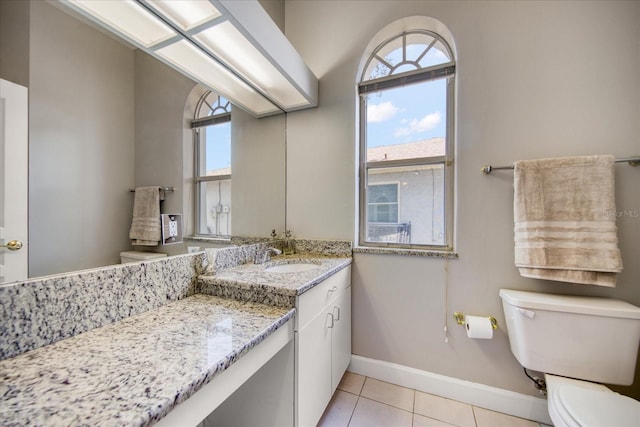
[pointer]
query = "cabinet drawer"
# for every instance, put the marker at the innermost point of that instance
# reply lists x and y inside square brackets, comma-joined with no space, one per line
[317,298]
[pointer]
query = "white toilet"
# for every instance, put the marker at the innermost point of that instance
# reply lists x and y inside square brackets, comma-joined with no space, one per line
[577,342]
[138,256]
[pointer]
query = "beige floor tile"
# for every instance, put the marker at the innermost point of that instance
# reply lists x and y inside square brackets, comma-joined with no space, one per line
[369,413]
[420,421]
[487,418]
[339,410]
[388,393]
[447,410]
[351,383]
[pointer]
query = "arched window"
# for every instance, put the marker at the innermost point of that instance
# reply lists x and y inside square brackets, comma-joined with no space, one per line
[407,92]
[212,149]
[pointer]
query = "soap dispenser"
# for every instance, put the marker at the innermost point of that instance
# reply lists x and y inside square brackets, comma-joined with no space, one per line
[288,248]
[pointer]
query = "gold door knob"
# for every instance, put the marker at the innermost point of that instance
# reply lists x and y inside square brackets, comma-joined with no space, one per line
[13,245]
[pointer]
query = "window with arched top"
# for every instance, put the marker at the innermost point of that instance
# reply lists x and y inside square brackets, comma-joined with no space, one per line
[211,126]
[407,91]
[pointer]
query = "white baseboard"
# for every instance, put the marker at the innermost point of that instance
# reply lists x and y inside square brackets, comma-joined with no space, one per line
[484,396]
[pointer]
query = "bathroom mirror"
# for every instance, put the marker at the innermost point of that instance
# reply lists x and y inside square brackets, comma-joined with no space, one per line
[105,117]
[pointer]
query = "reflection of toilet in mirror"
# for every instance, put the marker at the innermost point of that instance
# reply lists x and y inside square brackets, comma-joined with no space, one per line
[577,342]
[138,256]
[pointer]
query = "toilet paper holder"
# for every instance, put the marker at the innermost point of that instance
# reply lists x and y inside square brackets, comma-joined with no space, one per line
[460,319]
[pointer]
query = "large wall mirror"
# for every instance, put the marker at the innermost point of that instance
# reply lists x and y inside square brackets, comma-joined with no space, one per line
[105,118]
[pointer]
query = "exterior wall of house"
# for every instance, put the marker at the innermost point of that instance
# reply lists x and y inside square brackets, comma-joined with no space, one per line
[218,209]
[420,204]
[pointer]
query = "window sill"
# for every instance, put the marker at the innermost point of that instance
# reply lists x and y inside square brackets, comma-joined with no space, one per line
[405,252]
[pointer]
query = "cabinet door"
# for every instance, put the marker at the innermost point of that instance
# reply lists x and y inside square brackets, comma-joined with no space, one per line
[341,337]
[314,369]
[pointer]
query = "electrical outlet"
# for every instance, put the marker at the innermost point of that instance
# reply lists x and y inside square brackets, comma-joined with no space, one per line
[173,228]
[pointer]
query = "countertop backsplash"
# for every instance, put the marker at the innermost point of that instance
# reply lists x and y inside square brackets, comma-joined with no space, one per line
[41,311]
[44,310]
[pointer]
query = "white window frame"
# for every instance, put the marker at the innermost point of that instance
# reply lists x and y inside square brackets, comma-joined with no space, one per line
[365,86]
[217,113]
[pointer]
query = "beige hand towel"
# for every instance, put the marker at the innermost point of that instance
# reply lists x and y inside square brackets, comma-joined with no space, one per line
[565,222]
[145,226]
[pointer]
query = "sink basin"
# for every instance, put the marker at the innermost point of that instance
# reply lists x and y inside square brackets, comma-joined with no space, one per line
[291,268]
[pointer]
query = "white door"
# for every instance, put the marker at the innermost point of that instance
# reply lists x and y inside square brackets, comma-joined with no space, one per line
[14,118]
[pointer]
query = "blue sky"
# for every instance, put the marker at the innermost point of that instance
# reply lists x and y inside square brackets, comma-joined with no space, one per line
[218,146]
[414,112]
[407,114]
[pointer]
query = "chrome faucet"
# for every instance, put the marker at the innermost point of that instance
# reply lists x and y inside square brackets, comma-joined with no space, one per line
[266,255]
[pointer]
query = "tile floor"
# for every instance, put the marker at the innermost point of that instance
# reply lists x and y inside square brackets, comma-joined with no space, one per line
[364,401]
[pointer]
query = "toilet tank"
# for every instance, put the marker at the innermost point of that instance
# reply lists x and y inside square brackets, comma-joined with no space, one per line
[137,256]
[594,339]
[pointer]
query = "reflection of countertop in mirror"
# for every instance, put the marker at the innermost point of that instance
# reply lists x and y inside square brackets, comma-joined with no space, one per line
[135,371]
[252,282]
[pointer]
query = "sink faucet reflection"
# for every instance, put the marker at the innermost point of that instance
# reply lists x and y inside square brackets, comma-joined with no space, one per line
[266,255]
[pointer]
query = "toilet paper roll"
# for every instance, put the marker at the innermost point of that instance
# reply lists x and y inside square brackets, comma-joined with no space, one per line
[478,327]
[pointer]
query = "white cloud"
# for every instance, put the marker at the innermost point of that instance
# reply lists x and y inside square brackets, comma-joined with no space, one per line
[425,124]
[377,113]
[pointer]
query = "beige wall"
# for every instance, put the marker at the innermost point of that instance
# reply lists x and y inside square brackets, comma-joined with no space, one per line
[258,174]
[81,139]
[535,79]
[14,41]
[160,96]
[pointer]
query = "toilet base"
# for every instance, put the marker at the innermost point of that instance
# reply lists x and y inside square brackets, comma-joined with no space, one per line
[576,403]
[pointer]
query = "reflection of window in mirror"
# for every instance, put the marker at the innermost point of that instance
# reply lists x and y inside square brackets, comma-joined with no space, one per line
[212,139]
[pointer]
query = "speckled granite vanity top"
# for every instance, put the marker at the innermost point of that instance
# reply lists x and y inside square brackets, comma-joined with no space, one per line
[253,282]
[135,371]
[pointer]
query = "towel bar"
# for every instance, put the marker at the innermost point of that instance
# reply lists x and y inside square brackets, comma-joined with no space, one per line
[487,169]
[133,190]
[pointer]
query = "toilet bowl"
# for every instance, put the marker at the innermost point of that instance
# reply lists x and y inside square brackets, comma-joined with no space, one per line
[575,403]
[138,256]
[578,342]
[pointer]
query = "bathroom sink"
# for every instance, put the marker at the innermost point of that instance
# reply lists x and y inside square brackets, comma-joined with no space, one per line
[297,267]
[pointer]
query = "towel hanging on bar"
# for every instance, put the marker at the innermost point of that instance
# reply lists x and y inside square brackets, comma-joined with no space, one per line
[564,229]
[145,224]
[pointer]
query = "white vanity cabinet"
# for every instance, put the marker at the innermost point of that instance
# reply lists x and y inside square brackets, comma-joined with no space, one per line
[322,344]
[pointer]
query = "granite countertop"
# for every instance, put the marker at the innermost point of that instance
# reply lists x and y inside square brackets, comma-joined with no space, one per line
[135,371]
[254,277]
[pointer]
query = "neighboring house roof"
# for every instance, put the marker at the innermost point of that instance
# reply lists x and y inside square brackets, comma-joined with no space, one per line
[431,147]
[221,171]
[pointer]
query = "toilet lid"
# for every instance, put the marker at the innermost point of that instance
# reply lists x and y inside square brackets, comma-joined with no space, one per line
[590,407]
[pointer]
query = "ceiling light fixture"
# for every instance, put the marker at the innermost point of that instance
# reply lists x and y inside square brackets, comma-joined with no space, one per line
[230,46]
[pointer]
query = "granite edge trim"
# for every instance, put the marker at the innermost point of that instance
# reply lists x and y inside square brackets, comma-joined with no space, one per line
[259,293]
[219,368]
[304,288]
[405,252]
